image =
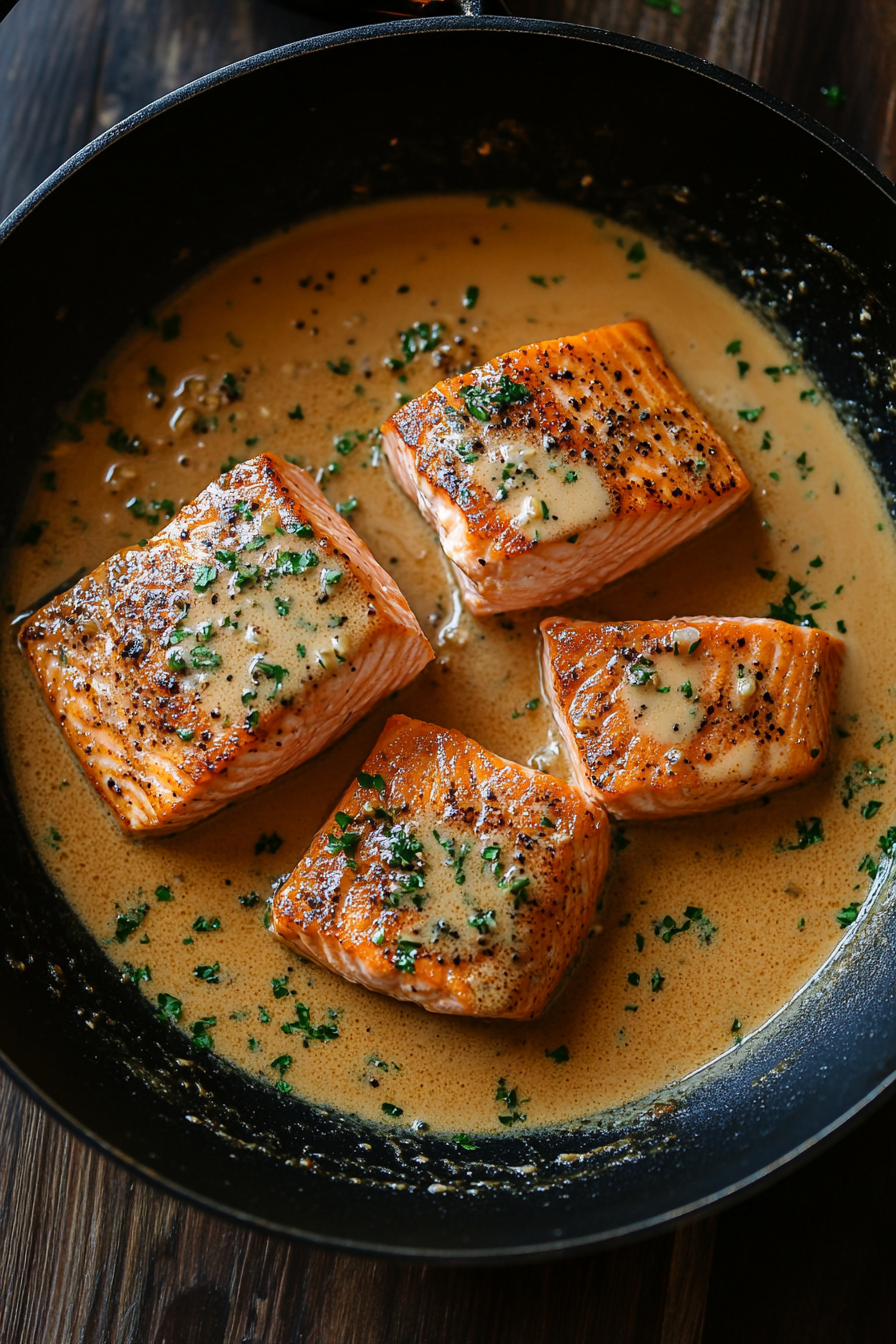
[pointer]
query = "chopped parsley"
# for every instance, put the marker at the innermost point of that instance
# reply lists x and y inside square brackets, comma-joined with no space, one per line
[656,982]
[202,657]
[481,401]
[419,338]
[786,609]
[405,955]
[296,413]
[208,973]
[135,973]
[404,848]
[169,1009]
[128,921]
[751,413]
[203,577]
[203,925]
[326,1031]
[297,562]
[201,1038]
[667,928]
[342,366]
[389,1109]
[809,832]
[275,673]
[464,1141]
[164,894]
[345,844]
[849,914]
[512,1102]
[371,781]
[560,1055]
[471,296]
[455,857]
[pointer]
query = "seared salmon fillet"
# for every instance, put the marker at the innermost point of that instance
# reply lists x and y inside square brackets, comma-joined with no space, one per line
[449,877]
[690,715]
[250,633]
[553,469]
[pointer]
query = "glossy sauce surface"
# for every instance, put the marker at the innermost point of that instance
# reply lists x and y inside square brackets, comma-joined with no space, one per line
[304,324]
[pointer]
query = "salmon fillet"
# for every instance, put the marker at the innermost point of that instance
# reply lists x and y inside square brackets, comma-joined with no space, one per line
[553,469]
[690,715]
[251,632]
[449,877]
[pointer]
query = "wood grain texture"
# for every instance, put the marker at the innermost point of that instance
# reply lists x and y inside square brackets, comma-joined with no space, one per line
[90,1253]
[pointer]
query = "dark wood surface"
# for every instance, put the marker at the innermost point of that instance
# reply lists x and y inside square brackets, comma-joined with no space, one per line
[89,1253]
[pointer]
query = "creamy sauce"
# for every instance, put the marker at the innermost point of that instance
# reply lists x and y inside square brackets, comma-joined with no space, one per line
[305,324]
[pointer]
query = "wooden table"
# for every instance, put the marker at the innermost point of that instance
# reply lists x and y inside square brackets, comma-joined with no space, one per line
[90,1254]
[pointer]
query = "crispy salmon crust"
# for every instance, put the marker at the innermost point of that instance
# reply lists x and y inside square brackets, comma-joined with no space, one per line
[449,877]
[553,469]
[690,715]
[251,632]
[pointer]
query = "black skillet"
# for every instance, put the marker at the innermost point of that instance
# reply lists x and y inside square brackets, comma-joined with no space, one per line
[794,223]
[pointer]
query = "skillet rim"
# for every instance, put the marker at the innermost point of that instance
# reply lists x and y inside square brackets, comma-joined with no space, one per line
[794,1157]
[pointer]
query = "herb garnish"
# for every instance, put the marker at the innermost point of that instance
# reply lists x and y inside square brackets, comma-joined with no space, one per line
[128,921]
[169,1009]
[327,1031]
[512,1101]
[809,832]
[482,400]
[785,610]
[203,925]
[208,973]
[455,858]
[559,1056]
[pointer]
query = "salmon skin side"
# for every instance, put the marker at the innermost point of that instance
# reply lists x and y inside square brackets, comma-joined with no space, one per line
[690,715]
[250,633]
[449,877]
[553,469]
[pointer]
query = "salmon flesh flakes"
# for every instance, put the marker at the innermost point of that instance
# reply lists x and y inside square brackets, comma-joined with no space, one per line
[553,469]
[251,632]
[690,715]
[449,877]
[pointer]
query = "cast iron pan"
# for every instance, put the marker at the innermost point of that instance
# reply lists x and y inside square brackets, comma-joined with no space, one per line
[790,219]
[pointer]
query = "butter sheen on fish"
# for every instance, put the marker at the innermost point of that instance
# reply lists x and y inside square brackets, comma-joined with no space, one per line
[449,877]
[251,632]
[690,715]
[556,468]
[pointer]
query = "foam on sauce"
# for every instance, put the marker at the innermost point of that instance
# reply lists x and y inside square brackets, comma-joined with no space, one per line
[305,323]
